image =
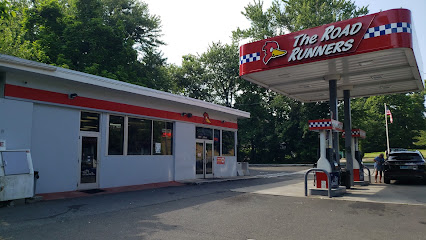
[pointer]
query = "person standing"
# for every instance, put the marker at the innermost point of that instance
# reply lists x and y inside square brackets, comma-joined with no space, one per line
[378,166]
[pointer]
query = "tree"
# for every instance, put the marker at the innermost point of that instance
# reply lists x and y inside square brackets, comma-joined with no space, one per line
[117,39]
[154,72]
[12,35]
[6,10]
[297,15]
[262,25]
[285,16]
[190,78]
[409,118]
[221,69]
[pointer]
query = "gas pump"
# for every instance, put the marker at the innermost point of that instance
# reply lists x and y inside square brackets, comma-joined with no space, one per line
[327,162]
[358,166]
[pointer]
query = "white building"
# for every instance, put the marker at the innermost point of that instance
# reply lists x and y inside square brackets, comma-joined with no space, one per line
[87,132]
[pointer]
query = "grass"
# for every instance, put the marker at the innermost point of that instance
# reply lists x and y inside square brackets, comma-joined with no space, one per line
[369,157]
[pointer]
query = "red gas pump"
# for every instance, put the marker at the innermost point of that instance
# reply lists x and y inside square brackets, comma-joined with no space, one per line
[325,127]
[357,163]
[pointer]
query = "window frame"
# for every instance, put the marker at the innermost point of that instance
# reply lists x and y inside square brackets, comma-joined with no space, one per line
[151,135]
[108,135]
[126,134]
[235,144]
[221,139]
[171,139]
[99,122]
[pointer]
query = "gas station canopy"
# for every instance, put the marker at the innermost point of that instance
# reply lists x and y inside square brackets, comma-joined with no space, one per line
[370,55]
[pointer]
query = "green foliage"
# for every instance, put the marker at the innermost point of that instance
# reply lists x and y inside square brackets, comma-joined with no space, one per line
[301,14]
[213,76]
[286,16]
[420,141]
[6,10]
[190,78]
[154,73]
[409,120]
[262,23]
[12,35]
[221,70]
[111,38]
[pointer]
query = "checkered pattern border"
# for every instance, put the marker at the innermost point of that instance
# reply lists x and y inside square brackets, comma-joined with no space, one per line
[388,29]
[250,58]
[357,133]
[319,124]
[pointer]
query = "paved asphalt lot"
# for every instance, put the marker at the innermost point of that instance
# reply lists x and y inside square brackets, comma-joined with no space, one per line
[218,210]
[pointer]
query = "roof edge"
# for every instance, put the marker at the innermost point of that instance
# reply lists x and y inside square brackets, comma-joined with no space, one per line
[72,75]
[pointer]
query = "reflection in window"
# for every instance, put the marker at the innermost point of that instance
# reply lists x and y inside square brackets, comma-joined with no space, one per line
[139,139]
[216,142]
[162,138]
[228,143]
[89,121]
[116,135]
[204,133]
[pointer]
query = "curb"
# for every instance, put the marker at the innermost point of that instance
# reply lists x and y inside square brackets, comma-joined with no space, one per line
[282,165]
[216,180]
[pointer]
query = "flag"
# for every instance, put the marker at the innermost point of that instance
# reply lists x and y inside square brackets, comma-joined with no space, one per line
[388,112]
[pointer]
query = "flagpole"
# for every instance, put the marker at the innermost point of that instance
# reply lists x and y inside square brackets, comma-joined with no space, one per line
[387,131]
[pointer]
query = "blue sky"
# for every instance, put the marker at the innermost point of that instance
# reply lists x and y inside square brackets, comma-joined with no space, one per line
[189,26]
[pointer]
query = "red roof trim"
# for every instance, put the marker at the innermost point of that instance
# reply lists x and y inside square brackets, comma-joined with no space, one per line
[61,98]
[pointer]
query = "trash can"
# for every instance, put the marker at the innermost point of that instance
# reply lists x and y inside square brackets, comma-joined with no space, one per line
[345,178]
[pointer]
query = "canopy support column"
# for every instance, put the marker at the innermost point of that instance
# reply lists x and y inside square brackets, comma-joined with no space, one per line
[348,132]
[332,82]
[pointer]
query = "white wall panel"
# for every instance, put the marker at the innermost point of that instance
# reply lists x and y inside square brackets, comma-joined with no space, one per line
[55,147]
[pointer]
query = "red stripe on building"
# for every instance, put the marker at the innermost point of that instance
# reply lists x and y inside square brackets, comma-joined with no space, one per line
[61,98]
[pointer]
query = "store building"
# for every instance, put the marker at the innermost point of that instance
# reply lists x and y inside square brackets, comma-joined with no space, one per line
[87,132]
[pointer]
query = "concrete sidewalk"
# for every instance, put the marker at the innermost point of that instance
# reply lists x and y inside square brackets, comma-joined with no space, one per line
[396,193]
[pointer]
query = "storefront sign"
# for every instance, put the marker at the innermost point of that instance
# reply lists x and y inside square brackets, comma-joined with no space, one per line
[326,41]
[324,47]
[220,160]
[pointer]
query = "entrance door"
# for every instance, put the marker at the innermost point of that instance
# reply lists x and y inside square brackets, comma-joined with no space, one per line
[204,159]
[88,161]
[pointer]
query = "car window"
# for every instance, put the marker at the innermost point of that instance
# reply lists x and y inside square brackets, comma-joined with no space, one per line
[405,156]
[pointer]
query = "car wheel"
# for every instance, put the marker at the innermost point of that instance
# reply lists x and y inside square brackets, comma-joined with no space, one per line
[386,180]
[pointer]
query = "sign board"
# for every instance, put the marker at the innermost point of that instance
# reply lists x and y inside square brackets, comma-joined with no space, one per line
[369,55]
[325,124]
[356,133]
[220,160]
[157,148]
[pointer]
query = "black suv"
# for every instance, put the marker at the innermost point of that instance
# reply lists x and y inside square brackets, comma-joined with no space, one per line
[403,165]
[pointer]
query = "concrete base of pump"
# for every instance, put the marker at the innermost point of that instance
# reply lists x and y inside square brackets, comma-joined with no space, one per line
[361,183]
[335,192]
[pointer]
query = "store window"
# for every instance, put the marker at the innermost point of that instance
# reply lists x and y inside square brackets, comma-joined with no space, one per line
[139,136]
[204,133]
[228,143]
[162,138]
[216,142]
[89,122]
[116,135]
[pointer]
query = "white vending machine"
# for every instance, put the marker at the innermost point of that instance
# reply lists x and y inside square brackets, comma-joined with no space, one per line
[16,174]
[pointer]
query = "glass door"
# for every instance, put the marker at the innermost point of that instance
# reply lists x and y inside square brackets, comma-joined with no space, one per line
[204,159]
[208,149]
[88,161]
